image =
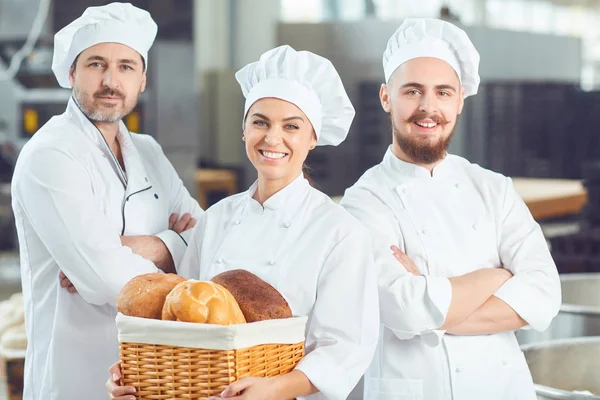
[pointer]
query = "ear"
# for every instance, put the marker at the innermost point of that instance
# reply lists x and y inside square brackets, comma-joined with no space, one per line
[313,141]
[384,97]
[143,87]
[462,100]
[72,76]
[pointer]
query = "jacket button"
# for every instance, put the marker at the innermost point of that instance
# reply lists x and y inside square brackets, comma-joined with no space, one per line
[219,261]
[271,262]
[238,222]
[475,227]
[458,370]
[286,224]
[457,186]
[425,232]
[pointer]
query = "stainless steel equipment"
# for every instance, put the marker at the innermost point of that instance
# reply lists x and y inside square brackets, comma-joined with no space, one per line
[579,313]
[566,368]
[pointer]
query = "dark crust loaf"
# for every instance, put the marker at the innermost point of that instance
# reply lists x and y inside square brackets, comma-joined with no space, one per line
[144,295]
[257,299]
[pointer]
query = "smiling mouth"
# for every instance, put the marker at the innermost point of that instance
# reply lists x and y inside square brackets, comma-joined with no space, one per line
[426,125]
[272,155]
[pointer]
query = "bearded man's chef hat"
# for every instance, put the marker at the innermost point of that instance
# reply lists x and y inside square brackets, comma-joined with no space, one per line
[429,37]
[115,23]
[306,80]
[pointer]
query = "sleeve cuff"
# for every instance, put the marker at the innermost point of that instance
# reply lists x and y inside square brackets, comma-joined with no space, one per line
[324,374]
[438,295]
[512,294]
[175,243]
[439,291]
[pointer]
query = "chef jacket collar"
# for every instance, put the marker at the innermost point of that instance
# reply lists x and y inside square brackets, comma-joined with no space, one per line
[135,178]
[400,170]
[289,199]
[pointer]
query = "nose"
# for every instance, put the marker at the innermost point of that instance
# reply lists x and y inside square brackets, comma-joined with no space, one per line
[427,104]
[110,79]
[273,137]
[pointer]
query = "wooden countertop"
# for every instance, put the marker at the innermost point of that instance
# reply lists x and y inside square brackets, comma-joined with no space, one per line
[548,198]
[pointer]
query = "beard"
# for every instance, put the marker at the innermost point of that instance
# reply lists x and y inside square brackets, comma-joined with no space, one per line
[103,114]
[423,150]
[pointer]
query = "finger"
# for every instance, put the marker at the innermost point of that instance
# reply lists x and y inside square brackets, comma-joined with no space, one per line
[397,250]
[119,392]
[65,283]
[236,388]
[180,225]
[115,371]
[71,289]
[172,220]
[190,224]
[61,275]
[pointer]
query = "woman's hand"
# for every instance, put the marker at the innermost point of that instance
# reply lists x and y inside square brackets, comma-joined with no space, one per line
[115,391]
[252,388]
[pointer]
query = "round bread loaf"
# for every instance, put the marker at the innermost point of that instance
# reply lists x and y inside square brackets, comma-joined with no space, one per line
[203,302]
[258,300]
[144,295]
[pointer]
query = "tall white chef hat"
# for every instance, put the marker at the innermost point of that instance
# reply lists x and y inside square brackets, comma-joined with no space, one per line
[305,79]
[115,22]
[429,37]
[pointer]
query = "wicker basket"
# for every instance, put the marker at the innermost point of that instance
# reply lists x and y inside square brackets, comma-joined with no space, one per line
[195,361]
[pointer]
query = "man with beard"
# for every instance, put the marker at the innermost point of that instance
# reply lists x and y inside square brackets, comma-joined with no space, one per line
[94,204]
[461,262]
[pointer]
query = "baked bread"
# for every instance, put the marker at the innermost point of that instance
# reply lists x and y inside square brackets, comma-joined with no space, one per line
[258,300]
[203,302]
[144,295]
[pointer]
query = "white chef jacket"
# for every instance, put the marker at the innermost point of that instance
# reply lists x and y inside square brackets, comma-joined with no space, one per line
[72,202]
[317,256]
[461,219]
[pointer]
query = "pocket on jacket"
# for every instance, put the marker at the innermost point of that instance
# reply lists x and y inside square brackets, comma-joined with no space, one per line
[393,389]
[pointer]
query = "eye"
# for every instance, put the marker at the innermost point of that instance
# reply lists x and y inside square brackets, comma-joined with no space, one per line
[95,65]
[445,94]
[127,67]
[413,92]
[258,122]
[292,127]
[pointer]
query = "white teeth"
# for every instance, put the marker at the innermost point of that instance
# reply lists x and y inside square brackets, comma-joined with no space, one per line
[426,124]
[269,154]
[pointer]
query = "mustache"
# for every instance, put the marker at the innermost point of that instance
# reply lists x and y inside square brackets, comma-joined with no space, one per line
[110,92]
[419,115]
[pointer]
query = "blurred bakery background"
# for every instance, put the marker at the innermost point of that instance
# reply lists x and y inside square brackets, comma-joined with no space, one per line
[536,119]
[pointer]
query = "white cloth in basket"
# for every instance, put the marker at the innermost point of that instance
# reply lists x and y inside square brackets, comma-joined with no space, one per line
[209,336]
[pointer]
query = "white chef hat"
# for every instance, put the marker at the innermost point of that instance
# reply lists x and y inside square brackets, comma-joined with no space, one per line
[115,22]
[305,79]
[429,37]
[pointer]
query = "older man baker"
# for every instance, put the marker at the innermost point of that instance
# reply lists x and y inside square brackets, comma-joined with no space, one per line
[94,201]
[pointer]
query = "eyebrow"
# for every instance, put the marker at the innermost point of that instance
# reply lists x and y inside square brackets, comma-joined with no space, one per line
[421,86]
[121,61]
[259,115]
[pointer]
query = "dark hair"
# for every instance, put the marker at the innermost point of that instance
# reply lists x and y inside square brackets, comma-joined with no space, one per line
[306,170]
[77,58]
